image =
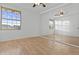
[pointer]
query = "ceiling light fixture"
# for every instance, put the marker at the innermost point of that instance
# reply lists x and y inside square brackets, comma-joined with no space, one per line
[60,13]
[38,4]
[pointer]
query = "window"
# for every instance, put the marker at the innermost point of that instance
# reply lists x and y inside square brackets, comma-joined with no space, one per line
[11,19]
[62,25]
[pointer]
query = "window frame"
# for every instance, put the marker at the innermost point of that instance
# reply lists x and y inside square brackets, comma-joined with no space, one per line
[13,10]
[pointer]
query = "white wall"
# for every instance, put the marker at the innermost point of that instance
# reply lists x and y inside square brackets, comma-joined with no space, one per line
[71,13]
[29,26]
[45,24]
[34,24]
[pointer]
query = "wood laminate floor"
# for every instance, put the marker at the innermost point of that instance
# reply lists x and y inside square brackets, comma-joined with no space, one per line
[64,38]
[36,46]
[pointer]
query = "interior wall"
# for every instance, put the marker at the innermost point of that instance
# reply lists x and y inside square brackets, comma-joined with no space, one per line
[71,13]
[35,24]
[29,25]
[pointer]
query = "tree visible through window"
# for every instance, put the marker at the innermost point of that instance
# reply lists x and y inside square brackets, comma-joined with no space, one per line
[11,19]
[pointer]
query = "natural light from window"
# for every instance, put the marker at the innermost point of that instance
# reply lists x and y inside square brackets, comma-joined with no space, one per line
[11,19]
[62,25]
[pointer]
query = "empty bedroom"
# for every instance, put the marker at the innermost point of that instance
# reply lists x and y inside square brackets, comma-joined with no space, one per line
[39,28]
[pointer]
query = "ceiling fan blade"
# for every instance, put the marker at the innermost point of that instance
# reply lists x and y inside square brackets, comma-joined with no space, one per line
[44,5]
[34,5]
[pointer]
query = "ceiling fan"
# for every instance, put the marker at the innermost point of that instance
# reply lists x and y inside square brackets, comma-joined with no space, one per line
[37,4]
[60,13]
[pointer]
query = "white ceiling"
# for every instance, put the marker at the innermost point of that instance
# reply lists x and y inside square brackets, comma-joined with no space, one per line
[28,6]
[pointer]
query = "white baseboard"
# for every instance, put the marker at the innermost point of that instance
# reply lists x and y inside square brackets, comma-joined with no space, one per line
[20,37]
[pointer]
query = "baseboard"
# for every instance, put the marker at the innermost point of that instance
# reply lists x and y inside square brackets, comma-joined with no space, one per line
[22,37]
